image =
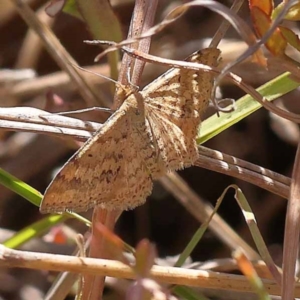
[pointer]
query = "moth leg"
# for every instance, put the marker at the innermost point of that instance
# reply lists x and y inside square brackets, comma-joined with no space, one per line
[134,88]
[155,143]
[79,111]
[153,172]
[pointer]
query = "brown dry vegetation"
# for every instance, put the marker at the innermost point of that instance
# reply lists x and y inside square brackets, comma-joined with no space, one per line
[261,139]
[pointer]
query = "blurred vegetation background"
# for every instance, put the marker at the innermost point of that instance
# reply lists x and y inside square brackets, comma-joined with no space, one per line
[262,139]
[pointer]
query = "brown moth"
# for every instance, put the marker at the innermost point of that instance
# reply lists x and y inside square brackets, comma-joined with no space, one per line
[152,132]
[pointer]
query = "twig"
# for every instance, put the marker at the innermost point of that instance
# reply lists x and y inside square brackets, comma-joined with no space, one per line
[220,33]
[238,23]
[29,53]
[170,275]
[142,17]
[58,81]
[232,166]
[35,120]
[291,233]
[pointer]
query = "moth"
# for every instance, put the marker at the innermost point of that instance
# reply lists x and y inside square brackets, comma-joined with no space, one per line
[153,132]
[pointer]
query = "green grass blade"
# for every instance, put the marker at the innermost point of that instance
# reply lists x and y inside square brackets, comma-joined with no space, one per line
[20,188]
[103,25]
[255,233]
[184,292]
[198,234]
[245,106]
[35,229]
[29,193]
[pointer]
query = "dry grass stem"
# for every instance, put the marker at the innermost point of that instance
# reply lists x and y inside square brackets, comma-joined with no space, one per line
[168,275]
[31,156]
[225,25]
[56,81]
[202,211]
[32,46]
[235,167]
[291,234]
[57,51]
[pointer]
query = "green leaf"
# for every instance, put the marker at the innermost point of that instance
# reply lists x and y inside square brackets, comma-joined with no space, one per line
[291,37]
[293,13]
[245,106]
[35,229]
[103,24]
[20,188]
[185,292]
[29,193]
[198,234]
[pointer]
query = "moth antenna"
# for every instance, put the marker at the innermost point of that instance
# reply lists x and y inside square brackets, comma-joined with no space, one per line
[118,84]
[98,74]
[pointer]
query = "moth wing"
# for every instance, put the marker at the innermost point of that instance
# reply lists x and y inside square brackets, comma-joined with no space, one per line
[106,171]
[174,103]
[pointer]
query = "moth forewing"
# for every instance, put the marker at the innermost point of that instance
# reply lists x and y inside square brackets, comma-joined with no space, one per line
[153,132]
[174,103]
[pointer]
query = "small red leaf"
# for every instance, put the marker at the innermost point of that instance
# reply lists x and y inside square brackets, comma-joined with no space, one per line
[266,6]
[115,245]
[276,44]
[144,255]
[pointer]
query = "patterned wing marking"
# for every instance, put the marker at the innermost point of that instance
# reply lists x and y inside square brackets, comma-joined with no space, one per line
[106,171]
[173,105]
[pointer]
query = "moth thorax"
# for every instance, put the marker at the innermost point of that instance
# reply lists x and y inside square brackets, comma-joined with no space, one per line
[136,101]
